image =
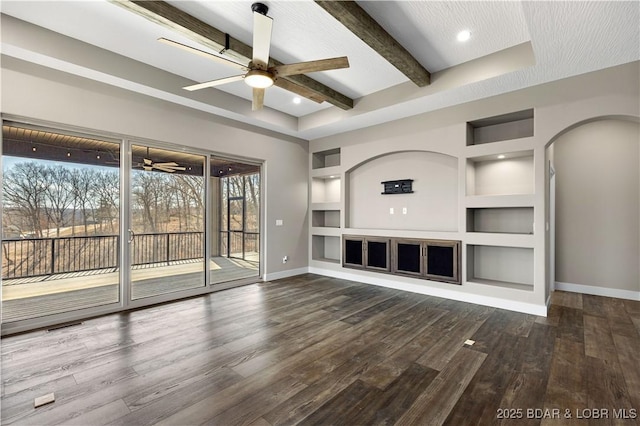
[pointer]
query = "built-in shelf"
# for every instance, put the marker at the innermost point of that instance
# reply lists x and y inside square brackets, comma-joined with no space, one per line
[327,172]
[514,125]
[502,284]
[325,218]
[505,220]
[491,201]
[493,150]
[511,175]
[325,248]
[323,159]
[325,190]
[504,266]
[325,206]
[336,232]
[494,239]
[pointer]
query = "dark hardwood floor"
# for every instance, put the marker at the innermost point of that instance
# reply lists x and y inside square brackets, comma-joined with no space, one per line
[317,350]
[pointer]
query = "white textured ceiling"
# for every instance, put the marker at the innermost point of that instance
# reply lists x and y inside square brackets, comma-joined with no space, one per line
[566,37]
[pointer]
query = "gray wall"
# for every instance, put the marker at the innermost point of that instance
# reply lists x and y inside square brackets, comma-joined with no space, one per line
[433,206]
[597,205]
[49,96]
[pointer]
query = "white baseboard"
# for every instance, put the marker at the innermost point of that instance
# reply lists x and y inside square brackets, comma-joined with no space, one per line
[494,302]
[598,291]
[285,274]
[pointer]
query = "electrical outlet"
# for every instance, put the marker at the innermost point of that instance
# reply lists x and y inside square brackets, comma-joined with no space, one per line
[390,210]
[284,259]
[404,210]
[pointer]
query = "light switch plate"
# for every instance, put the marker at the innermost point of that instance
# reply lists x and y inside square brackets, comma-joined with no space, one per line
[279,222]
[390,210]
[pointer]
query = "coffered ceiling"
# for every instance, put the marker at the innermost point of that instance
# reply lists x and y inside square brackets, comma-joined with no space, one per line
[513,45]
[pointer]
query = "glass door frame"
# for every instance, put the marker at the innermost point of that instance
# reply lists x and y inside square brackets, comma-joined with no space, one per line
[125,303]
[130,303]
[76,315]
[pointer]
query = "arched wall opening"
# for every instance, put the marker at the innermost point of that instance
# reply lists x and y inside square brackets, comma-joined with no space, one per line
[597,207]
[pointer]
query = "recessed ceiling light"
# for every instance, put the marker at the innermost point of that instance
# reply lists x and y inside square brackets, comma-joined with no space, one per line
[297,100]
[501,157]
[464,35]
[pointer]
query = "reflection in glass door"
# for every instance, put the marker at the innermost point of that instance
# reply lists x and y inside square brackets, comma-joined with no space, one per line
[167,225]
[60,222]
[235,242]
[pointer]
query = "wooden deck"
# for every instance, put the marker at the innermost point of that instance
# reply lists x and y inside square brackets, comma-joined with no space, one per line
[52,295]
[322,351]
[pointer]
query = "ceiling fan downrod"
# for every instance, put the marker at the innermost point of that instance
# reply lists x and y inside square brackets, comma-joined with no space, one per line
[260,8]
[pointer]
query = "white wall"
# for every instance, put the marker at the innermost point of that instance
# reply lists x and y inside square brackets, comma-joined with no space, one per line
[432,207]
[597,205]
[49,96]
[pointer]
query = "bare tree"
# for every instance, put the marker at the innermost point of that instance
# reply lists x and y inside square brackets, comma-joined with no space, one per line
[82,184]
[147,193]
[191,195]
[107,188]
[58,195]
[24,188]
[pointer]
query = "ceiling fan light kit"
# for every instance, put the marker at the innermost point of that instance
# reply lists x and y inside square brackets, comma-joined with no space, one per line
[259,79]
[258,75]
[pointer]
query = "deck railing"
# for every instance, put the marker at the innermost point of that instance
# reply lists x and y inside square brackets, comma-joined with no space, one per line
[239,243]
[31,257]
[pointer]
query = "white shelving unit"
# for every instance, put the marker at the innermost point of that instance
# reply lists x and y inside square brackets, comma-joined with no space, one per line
[326,211]
[499,203]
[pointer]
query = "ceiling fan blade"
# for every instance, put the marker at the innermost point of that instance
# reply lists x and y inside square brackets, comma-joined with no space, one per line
[311,66]
[305,92]
[262,25]
[164,169]
[147,161]
[207,55]
[170,164]
[214,83]
[258,99]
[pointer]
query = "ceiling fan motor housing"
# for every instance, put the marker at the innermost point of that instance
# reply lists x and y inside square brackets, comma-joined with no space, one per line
[260,8]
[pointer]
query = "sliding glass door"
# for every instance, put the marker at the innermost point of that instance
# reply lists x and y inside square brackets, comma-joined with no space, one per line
[94,225]
[235,244]
[60,222]
[167,221]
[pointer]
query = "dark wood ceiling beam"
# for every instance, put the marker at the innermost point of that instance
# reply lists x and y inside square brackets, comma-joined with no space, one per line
[359,22]
[181,22]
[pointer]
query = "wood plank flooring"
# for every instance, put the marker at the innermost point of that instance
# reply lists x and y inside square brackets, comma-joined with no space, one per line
[317,351]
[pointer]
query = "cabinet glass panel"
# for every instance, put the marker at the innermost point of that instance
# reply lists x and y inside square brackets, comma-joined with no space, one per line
[440,261]
[378,255]
[408,258]
[353,252]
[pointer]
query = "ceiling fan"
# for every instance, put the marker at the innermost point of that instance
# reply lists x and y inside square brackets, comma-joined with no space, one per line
[257,73]
[170,167]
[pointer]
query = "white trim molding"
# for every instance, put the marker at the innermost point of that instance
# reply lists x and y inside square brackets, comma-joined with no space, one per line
[477,299]
[598,291]
[285,274]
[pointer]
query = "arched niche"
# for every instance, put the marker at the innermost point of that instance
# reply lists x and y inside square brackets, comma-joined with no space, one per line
[433,206]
